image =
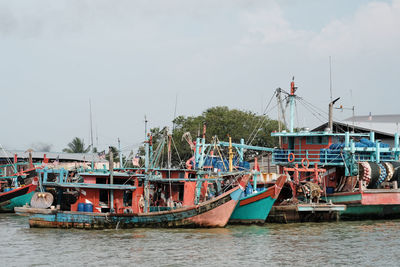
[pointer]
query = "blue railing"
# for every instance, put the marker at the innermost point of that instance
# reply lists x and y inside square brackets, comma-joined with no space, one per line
[325,156]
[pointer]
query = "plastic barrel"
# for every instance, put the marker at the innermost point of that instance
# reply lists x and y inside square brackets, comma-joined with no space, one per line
[330,190]
[81,206]
[88,207]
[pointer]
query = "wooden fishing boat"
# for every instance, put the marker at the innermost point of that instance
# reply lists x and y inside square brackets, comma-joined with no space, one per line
[17,188]
[211,213]
[254,208]
[368,204]
[343,168]
[16,197]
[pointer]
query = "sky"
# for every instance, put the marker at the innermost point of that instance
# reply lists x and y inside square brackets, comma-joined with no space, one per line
[135,58]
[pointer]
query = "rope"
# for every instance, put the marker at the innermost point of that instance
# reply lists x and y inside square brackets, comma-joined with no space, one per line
[8,159]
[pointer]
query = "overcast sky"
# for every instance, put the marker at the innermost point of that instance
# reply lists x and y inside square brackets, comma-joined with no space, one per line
[132,58]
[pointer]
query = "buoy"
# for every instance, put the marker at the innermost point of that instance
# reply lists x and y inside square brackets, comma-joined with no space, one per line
[291,157]
[305,160]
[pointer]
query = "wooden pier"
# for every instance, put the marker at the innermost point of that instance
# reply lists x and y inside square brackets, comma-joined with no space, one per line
[305,213]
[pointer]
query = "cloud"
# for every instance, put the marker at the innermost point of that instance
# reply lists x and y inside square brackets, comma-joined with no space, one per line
[374,27]
[267,25]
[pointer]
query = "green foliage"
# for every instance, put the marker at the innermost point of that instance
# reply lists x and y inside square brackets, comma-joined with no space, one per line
[77,145]
[115,154]
[221,122]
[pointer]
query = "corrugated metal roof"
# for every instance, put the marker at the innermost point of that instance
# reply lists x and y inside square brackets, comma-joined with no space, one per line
[388,129]
[52,155]
[388,118]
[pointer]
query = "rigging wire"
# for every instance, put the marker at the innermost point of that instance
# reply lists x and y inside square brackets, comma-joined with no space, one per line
[255,130]
[311,111]
[258,128]
[181,163]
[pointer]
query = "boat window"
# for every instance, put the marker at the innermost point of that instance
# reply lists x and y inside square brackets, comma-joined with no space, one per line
[317,140]
[127,198]
[324,140]
[284,140]
[103,196]
[181,189]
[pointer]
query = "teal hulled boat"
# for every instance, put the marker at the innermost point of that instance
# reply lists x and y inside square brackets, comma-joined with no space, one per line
[255,208]
[17,197]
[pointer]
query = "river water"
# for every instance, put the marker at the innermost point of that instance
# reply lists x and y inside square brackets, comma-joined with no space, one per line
[366,243]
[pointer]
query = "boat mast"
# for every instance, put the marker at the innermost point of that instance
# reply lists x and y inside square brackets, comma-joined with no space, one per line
[330,123]
[111,163]
[330,119]
[91,126]
[121,165]
[292,97]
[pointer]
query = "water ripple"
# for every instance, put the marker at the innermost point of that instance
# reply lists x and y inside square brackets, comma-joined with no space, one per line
[368,243]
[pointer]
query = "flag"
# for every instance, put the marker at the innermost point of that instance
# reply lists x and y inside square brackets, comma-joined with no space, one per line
[135,160]
[102,154]
[57,161]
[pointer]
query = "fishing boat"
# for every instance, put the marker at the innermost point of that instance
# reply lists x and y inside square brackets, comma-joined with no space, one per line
[258,198]
[344,168]
[17,188]
[16,197]
[255,206]
[143,198]
[100,206]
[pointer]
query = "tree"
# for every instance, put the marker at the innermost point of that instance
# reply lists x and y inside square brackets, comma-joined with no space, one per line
[77,145]
[221,122]
[115,154]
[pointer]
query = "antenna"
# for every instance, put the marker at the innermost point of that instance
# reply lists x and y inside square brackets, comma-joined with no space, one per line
[97,136]
[330,77]
[353,108]
[91,125]
[173,122]
[145,127]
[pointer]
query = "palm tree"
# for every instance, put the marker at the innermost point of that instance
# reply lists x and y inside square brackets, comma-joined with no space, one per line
[76,146]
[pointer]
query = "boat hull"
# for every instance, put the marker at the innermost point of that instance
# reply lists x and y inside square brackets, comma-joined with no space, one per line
[16,198]
[369,204]
[255,212]
[256,207]
[212,213]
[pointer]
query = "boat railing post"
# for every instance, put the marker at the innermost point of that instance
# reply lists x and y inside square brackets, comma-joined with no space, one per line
[241,150]
[45,174]
[255,180]
[230,155]
[326,156]
[197,153]
[346,139]
[372,136]
[377,152]
[61,176]
[203,151]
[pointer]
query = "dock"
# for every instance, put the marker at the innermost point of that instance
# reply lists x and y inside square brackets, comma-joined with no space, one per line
[305,213]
